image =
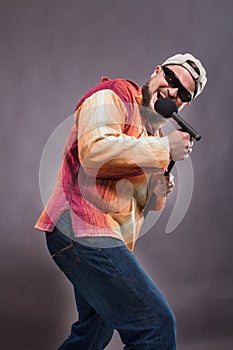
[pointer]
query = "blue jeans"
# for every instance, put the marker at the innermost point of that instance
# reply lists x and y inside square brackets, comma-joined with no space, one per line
[112,291]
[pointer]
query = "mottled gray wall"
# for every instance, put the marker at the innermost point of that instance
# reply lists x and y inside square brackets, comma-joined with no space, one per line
[53,51]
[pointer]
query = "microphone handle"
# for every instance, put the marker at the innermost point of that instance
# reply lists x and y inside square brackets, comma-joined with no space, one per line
[169,168]
[151,202]
[185,126]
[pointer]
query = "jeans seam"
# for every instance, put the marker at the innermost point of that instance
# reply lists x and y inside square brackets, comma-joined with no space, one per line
[136,293]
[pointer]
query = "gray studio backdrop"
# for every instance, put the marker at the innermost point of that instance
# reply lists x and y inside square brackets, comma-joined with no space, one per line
[51,53]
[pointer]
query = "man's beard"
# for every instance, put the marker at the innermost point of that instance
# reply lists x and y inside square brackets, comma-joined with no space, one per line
[146,95]
[155,120]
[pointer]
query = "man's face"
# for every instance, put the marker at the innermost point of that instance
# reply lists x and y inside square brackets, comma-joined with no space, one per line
[158,87]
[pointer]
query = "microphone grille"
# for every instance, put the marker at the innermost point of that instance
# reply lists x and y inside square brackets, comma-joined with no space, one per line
[165,107]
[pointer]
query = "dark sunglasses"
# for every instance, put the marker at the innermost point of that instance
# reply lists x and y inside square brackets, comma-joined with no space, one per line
[174,82]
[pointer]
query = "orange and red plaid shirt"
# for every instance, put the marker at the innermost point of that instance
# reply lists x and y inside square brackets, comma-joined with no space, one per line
[107,162]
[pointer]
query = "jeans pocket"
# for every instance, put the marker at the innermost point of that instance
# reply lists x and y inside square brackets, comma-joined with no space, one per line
[63,252]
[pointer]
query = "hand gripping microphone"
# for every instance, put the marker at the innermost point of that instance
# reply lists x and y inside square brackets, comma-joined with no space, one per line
[168,109]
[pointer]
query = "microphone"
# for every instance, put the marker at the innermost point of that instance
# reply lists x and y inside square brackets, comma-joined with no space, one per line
[168,109]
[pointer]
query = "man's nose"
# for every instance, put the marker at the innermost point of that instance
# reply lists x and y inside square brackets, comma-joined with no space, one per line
[172,92]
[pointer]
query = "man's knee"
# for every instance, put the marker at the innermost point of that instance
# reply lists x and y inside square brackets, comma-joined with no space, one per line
[163,330]
[157,331]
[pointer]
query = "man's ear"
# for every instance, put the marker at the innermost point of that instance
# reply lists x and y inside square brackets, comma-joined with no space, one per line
[156,71]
